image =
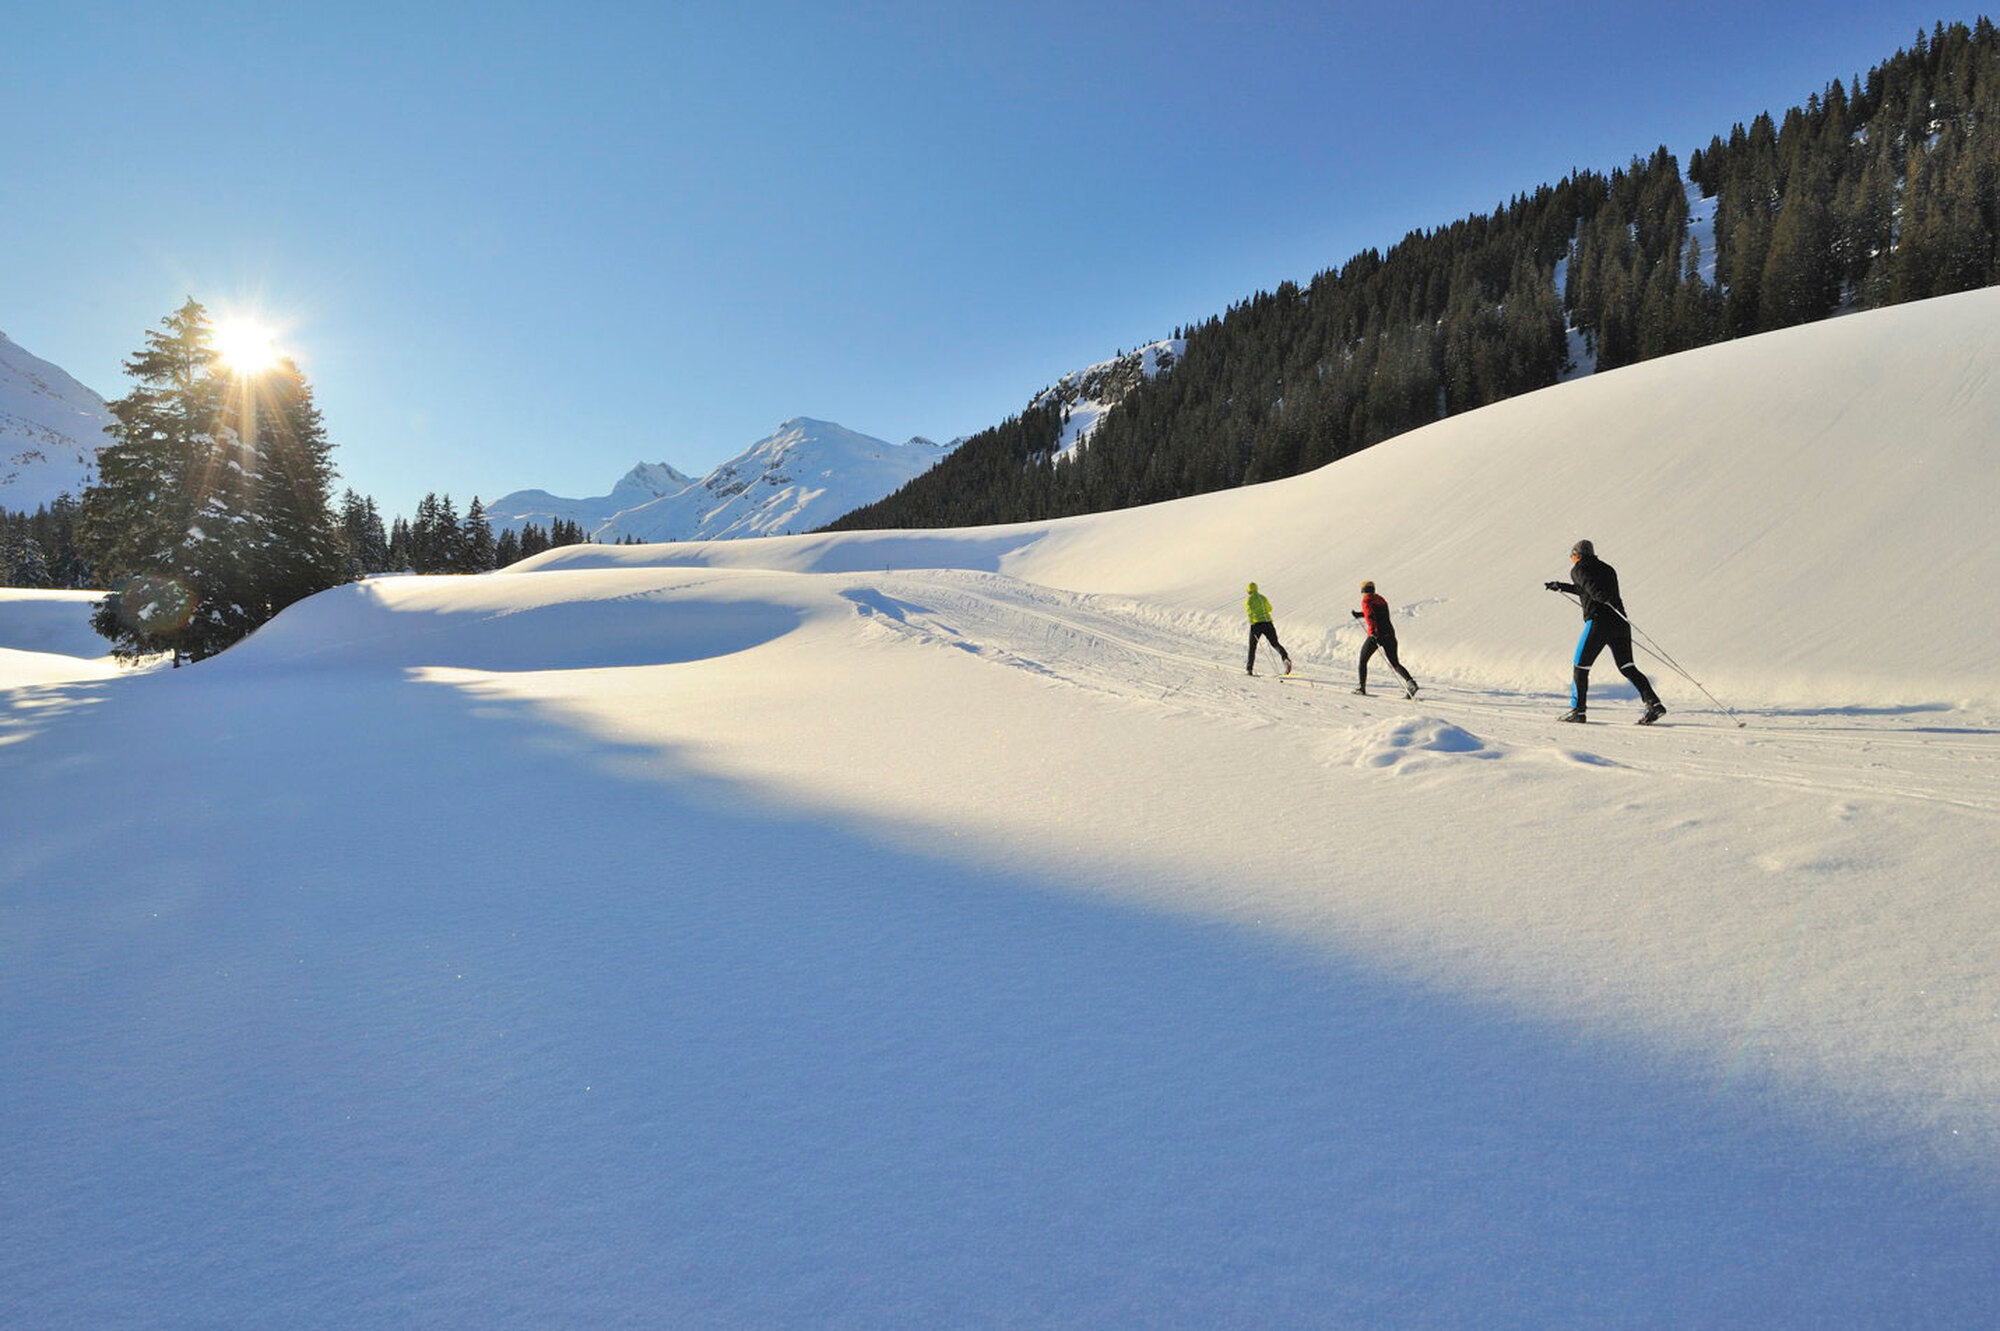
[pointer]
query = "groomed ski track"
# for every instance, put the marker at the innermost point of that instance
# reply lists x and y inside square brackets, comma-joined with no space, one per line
[1152,655]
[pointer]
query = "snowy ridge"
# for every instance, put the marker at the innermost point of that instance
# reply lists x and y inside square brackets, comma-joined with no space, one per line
[941,929]
[643,484]
[802,476]
[1086,395]
[51,427]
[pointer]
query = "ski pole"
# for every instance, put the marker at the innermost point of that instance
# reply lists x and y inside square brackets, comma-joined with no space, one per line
[1654,649]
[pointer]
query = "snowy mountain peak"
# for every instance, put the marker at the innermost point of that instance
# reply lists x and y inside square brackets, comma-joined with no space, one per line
[819,446]
[807,472]
[652,479]
[51,427]
[802,475]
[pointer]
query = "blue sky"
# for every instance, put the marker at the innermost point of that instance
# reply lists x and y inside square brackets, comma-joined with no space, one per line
[531,244]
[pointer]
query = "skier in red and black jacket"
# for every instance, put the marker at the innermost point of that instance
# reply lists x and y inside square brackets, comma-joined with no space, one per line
[1595,584]
[1381,636]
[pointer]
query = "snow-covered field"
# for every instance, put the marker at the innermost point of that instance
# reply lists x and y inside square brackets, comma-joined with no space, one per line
[939,929]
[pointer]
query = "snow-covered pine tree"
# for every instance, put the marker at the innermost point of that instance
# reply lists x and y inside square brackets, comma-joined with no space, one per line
[298,544]
[210,510]
[137,525]
[22,562]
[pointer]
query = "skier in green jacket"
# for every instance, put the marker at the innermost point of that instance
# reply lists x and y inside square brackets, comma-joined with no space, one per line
[1259,611]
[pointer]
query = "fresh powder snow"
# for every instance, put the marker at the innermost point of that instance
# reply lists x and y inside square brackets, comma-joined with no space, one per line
[921,929]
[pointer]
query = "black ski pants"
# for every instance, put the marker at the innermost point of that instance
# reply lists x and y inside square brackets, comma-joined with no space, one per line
[1263,628]
[1386,644]
[1607,630]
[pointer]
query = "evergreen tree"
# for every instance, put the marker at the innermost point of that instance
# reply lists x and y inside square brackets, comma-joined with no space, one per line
[447,539]
[54,527]
[361,528]
[210,513]
[476,540]
[436,540]
[401,558]
[1801,278]
[39,549]
[22,561]
[424,554]
[297,545]
[139,526]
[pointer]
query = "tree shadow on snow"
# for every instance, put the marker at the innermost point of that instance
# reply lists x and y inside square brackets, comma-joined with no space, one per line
[378,1003]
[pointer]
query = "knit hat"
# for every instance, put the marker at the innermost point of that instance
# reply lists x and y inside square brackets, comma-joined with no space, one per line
[1252,589]
[1583,548]
[1368,586]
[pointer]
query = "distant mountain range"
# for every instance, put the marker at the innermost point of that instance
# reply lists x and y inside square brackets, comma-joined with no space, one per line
[800,477]
[804,475]
[51,427]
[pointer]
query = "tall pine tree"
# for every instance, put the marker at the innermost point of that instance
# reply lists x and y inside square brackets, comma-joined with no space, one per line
[210,512]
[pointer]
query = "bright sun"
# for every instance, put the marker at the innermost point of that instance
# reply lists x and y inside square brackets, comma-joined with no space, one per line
[245,345]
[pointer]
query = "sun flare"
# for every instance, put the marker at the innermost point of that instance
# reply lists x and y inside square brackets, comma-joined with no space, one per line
[245,345]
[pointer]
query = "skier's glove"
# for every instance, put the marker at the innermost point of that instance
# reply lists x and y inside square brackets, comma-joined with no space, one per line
[1355,613]
[1555,586]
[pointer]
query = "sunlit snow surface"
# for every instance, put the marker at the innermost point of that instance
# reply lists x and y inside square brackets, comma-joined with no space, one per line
[913,929]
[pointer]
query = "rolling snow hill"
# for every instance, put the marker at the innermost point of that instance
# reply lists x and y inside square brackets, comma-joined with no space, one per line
[939,928]
[51,427]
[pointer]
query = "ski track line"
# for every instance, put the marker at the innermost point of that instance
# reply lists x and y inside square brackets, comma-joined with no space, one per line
[1070,638]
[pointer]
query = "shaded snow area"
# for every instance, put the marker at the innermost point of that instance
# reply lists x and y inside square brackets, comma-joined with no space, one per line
[940,929]
[46,638]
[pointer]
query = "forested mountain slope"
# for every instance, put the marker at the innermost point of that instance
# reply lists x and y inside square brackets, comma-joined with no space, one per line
[1878,190]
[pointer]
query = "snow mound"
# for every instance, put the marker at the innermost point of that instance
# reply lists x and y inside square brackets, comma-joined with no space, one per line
[1413,743]
[520,624]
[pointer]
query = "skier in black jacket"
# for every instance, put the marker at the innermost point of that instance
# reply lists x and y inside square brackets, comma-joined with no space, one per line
[1595,584]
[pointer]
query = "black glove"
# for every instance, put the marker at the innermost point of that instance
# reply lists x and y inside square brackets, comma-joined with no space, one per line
[1556,586]
[1355,613]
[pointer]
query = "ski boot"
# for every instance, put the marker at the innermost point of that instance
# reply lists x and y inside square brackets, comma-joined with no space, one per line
[1573,714]
[1654,711]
